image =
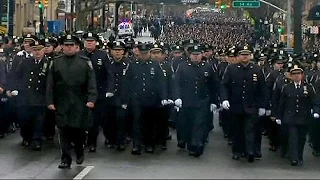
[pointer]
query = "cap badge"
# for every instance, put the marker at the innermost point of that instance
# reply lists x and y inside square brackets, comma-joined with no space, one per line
[68,36]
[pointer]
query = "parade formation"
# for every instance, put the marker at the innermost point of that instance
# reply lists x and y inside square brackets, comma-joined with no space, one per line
[131,92]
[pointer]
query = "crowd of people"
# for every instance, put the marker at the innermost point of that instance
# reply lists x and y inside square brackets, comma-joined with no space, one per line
[133,90]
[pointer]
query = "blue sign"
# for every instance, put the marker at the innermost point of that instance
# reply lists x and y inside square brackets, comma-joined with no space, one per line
[55,26]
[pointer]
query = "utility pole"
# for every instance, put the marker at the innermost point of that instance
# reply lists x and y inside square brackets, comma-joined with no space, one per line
[297,7]
[72,16]
[41,30]
[289,14]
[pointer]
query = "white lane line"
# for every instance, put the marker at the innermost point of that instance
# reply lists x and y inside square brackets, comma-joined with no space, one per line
[84,172]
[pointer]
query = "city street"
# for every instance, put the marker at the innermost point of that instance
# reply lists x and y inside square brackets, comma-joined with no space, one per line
[18,162]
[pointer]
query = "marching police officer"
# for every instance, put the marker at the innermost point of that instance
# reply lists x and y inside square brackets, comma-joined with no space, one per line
[49,125]
[195,92]
[243,92]
[297,99]
[146,89]
[3,98]
[115,123]
[31,75]
[105,85]
[71,93]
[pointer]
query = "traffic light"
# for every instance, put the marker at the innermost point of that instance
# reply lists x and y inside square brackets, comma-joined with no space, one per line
[280,29]
[46,3]
[41,6]
[224,6]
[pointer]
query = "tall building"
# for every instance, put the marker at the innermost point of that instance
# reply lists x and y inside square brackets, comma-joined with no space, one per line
[27,14]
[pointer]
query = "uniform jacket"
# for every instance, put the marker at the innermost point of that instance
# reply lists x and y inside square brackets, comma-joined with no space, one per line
[196,85]
[295,104]
[145,84]
[244,87]
[104,76]
[71,84]
[31,81]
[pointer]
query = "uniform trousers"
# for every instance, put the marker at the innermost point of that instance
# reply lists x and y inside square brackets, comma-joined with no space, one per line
[74,135]
[192,129]
[99,117]
[243,137]
[4,111]
[115,125]
[49,124]
[297,139]
[32,118]
[144,126]
[162,124]
[315,133]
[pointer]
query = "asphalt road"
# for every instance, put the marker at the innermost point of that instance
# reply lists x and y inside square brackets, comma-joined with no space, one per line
[18,162]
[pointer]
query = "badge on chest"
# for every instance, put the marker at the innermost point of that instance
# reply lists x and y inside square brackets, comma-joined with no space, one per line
[206,74]
[305,90]
[99,62]
[255,77]
[152,71]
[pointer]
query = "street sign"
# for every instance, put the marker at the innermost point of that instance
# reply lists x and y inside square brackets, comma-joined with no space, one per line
[4,19]
[246,4]
[190,1]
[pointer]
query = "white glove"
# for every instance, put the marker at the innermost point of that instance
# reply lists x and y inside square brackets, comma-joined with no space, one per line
[170,101]
[213,107]
[268,112]
[178,103]
[316,115]
[226,104]
[176,108]
[108,94]
[278,121]
[164,102]
[262,111]
[124,106]
[14,93]
[20,53]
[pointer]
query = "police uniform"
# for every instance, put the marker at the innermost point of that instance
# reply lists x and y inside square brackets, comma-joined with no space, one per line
[31,75]
[49,125]
[146,88]
[244,87]
[71,85]
[195,88]
[115,125]
[294,110]
[105,84]
[163,111]
[3,98]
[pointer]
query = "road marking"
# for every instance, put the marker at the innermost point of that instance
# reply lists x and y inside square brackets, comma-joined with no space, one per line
[84,172]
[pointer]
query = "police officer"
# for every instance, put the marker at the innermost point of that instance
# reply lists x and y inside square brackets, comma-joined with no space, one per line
[31,75]
[115,123]
[71,93]
[195,92]
[3,98]
[243,92]
[297,99]
[157,52]
[105,85]
[49,125]
[146,89]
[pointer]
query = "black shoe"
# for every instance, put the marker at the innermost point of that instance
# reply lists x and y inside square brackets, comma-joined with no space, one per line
[149,149]
[136,151]
[244,155]
[251,158]
[273,148]
[225,136]
[49,138]
[257,156]
[111,146]
[169,137]
[64,165]
[36,146]
[26,143]
[294,163]
[229,142]
[164,147]
[181,146]
[80,160]
[1,135]
[92,149]
[128,140]
[121,147]
[235,157]
[300,162]
[192,153]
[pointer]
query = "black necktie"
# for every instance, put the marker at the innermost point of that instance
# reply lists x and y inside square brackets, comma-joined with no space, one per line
[298,86]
